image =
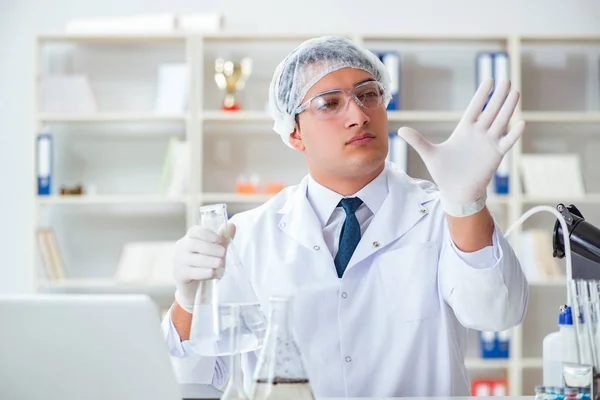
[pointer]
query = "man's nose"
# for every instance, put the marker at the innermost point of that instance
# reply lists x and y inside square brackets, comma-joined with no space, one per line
[355,113]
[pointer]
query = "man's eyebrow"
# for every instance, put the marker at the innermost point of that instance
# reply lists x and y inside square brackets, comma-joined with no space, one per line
[365,81]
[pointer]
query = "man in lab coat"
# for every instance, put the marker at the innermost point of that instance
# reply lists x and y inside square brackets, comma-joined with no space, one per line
[387,272]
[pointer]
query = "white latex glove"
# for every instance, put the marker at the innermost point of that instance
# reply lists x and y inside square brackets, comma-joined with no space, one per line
[199,255]
[464,164]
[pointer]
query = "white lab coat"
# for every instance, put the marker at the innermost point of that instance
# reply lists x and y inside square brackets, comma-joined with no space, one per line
[396,323]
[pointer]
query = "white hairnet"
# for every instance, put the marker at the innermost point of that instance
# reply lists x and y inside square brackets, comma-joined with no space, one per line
[306,65]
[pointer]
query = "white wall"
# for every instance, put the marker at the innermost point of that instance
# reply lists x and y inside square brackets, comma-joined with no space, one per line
[21,20]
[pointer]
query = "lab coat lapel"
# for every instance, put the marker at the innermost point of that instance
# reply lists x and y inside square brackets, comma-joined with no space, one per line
[401,210]
[300,222]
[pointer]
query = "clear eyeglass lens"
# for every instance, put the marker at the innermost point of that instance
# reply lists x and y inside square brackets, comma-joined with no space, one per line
[369,95]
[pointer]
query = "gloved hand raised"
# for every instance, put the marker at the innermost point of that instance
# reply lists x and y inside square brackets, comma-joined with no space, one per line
[464,164]
[199,255]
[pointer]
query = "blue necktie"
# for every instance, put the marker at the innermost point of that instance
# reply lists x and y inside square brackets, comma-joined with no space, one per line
[350,235]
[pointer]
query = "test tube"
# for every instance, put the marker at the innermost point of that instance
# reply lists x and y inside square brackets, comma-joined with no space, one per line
[583,325]
[589,320]
[576,309]
[595,306]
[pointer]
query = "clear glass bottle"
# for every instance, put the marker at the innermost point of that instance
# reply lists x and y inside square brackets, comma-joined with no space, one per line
[210,333]
[280,372]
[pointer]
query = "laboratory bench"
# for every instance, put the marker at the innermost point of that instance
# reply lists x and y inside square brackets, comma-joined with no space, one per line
[429,398]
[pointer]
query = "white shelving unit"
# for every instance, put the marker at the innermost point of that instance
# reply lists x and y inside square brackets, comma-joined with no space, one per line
[110,117]
[226,144]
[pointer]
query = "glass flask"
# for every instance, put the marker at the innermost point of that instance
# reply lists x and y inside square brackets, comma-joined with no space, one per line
[235,386]
[280,371]
[211,327]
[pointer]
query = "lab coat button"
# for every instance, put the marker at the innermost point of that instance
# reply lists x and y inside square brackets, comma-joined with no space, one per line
[348,359]
[375,244]
[344,295]
[317,248]
[423,211]
[282,225]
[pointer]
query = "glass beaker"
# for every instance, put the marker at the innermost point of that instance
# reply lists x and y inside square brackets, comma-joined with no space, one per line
[211,316]
[280,371]
[235,386]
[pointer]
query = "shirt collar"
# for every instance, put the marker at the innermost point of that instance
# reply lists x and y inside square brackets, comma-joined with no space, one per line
[324,200]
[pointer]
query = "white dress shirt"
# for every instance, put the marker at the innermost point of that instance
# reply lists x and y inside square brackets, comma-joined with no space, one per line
[324,202]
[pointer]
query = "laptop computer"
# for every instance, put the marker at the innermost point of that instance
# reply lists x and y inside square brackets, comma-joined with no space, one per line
[86,346]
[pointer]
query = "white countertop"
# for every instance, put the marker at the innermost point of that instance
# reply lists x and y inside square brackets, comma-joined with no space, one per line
[429,398]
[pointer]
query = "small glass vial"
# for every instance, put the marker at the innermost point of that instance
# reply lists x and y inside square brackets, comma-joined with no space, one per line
[571,393]
[550,393]
[540,393]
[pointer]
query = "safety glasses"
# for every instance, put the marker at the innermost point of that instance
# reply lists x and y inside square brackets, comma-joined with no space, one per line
[370,94]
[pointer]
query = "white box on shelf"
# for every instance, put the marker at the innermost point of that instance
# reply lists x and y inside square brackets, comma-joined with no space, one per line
[146,262]
[68,94]
[171,89]
[200,22]
[491,64]
[142,23]
[176,169]
[552,175]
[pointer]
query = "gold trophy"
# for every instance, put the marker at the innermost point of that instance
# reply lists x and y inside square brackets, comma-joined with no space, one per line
[231,77]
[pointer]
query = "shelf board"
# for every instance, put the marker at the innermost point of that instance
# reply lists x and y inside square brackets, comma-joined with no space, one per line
[498,199]
[256,198]
[253,36]
[214,197]
[561,116]
[502,363]
[533,362]
[393,116]
[424,116]
[159,199]
[110,199]
[274,36]
[112,37]
[554,282]
[111,117]
[235,116]
[106,286]
[245,36]
[560,38]
[592,198]
[487,363]
[437,37]
[261,198]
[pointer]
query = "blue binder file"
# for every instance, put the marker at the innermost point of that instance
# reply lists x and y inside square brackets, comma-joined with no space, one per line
[495,344]
[44,164]
[491,64]
[502,175]
[495,65]
[391,60]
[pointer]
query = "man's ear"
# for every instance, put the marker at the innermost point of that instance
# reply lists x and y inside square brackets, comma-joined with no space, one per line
[296,139]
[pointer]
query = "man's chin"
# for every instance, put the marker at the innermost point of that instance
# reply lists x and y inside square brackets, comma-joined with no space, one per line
[366,165]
